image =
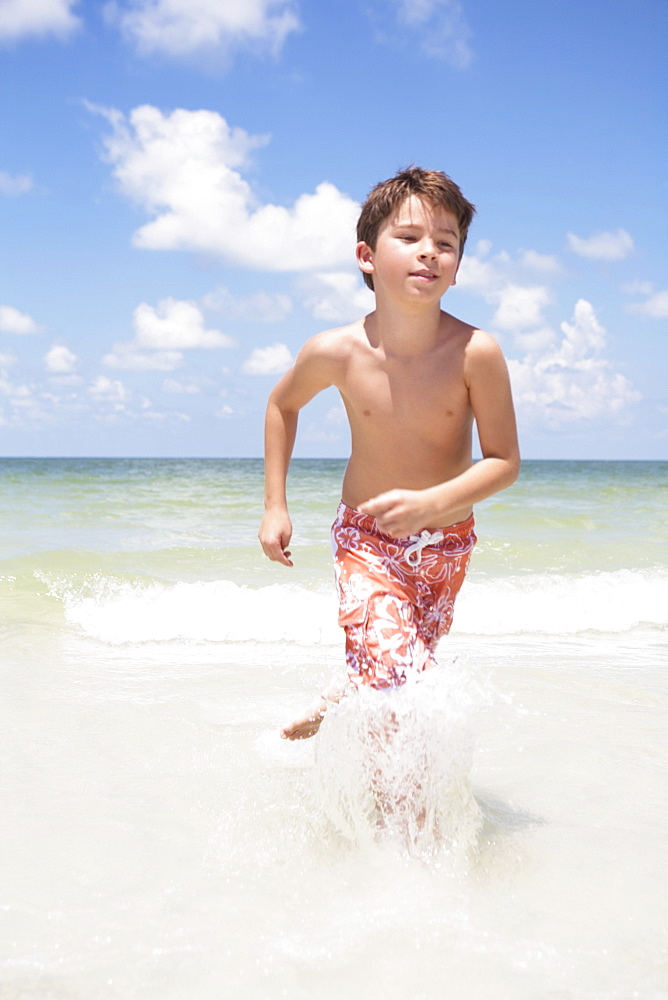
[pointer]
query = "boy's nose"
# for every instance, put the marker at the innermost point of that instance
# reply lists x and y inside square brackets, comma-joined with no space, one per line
[428,250]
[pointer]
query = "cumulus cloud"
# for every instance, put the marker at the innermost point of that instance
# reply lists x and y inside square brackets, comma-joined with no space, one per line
[13,321]
[437,27]
[109,390]
[272,360]
[60,360]
[161,336]
[655,305]
[24,18]
[24,405]
[184,168]
[261,307]
[175,325]
[185,27]
[14,186]
[180,388]
[519,306]
[602,246]
[337,296]
[571,381]
[129,358]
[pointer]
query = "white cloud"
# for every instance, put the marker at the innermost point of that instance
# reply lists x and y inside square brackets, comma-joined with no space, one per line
[184,168]
[261,307]
[521,307]
[656,306]
[129,358]
[184,27]
[547,263]
[438,27]
[14,186]
[337,415]
[337,297]
[22,18]
[272,360]
[571,381]
[162,334]
[60,360]
[175,325]
[638,287]
[108,390]
[180,388]
[13,321]
[602,246]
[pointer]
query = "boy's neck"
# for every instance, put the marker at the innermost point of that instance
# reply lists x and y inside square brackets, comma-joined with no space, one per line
[404,332]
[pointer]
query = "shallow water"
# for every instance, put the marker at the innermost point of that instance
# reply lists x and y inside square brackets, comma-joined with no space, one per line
[160,841]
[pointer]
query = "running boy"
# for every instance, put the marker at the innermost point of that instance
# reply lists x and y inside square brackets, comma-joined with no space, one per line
[412,379]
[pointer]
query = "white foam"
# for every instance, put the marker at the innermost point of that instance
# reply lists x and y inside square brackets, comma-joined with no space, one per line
[118,611]
[394,766]
[564,604]
[215,612]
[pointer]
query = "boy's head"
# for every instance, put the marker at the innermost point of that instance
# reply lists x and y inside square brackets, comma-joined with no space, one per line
[432,186]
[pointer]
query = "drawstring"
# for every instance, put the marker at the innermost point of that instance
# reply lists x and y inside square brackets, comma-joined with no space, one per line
[413,554]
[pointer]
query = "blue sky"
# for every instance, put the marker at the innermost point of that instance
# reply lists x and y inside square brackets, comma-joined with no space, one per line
[179,183]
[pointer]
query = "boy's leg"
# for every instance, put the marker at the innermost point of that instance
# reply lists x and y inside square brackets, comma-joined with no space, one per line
[387,644]
[309,722]
[393,613]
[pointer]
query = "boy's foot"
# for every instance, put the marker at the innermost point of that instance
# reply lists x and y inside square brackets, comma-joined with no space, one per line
[306,725]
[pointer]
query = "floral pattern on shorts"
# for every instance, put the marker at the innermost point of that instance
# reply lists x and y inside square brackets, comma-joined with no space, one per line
[396,595]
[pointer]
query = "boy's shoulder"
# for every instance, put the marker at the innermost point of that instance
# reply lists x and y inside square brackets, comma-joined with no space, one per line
[481,353]
[335,342]
[471,338]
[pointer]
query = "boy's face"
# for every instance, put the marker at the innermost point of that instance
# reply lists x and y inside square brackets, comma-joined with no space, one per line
[416,253]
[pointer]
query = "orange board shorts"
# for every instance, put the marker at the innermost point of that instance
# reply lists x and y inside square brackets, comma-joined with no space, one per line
[396,595]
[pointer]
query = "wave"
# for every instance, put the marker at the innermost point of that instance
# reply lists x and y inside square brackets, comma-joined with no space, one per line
[116,610]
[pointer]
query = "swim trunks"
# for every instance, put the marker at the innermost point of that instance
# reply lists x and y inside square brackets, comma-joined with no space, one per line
[396,595]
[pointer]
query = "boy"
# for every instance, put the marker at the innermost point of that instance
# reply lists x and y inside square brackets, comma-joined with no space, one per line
[412,379]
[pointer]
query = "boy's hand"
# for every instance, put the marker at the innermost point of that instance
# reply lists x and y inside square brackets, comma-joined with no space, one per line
[399,512]
[275,534]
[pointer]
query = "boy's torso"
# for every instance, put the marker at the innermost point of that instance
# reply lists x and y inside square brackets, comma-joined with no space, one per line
[410,415]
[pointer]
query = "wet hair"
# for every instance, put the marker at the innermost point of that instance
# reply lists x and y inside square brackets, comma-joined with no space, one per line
[431,186]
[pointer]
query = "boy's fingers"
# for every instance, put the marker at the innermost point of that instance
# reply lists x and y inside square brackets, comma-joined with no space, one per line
[276,552]
[380,504]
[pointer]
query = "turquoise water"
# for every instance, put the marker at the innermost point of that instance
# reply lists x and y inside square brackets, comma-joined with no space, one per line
[161,841]
[576,515]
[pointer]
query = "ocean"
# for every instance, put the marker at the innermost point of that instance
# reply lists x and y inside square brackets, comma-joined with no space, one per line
[159,841]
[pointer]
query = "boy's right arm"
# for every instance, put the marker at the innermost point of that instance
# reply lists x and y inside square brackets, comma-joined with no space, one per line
[312,372]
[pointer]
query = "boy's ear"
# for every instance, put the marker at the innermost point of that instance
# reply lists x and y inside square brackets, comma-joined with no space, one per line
[364,255]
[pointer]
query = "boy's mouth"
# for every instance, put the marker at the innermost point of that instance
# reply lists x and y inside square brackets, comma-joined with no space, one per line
[423,274]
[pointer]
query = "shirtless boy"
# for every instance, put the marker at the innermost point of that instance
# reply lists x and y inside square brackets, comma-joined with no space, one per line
[413,380]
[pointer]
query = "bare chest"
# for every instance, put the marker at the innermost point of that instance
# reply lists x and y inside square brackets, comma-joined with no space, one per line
[422,398]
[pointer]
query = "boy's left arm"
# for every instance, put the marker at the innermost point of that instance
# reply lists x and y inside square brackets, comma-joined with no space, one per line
[403,512]
[490,395]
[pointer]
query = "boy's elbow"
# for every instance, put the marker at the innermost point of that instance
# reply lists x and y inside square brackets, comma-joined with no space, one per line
[513,466]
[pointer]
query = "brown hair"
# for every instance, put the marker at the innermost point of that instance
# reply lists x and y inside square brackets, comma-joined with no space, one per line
[432,186]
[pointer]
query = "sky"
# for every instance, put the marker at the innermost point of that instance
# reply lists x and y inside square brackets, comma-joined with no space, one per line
[180,182]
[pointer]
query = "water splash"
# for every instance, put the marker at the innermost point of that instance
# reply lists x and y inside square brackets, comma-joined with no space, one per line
[393,767]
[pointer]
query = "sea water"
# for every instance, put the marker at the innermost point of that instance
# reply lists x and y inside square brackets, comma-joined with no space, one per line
[496,831]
